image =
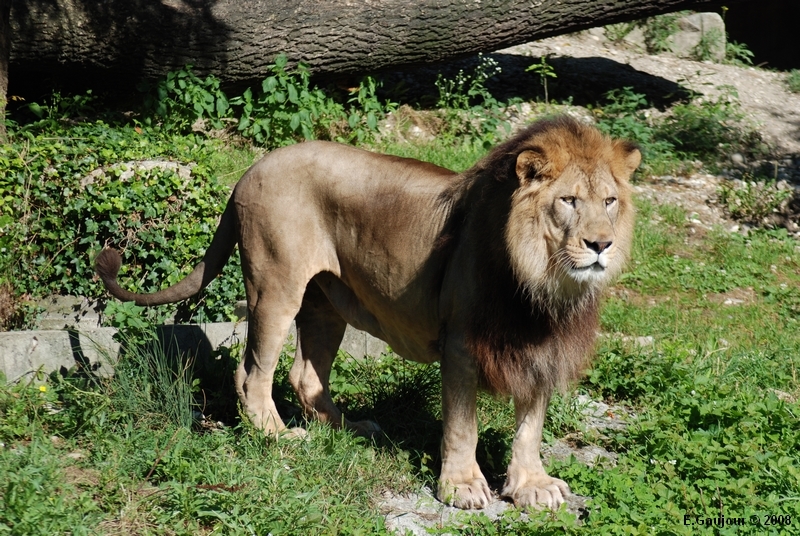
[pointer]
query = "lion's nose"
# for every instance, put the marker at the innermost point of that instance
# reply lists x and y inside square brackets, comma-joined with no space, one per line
[597,247]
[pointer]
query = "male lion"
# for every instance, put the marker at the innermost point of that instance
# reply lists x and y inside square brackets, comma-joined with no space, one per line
[496,272]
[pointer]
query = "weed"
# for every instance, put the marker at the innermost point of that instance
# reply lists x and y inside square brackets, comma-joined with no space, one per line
[545,71]
[754,199]
[471,112]
[708,128]
[658,32]
[793,80]
[623,117]
[467,90]
[151,381]
[618,32]
[710,42]
[738,54]
[286,108]
[182,98]
[365,110]
[60,107]
[703,129]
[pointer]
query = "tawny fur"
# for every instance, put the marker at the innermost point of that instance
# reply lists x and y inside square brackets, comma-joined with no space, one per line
[496,272]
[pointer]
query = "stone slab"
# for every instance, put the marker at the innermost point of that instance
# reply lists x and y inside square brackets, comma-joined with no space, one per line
[24,353]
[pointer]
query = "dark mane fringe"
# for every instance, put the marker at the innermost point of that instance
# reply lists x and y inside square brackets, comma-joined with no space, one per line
[520,347]
[518,341]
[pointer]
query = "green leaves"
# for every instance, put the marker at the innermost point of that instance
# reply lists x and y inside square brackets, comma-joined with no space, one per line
[285,109]
[471,112]
[183,98]
[95,185]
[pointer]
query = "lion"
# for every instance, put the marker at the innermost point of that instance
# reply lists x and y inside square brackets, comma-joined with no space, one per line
[495,272]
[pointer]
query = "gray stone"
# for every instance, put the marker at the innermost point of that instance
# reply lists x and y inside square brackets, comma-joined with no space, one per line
[69,312]
[23,353]
[696,27]
[635,39]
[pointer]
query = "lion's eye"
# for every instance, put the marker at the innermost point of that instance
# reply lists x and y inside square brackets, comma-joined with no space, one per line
[610,201]
[569,200]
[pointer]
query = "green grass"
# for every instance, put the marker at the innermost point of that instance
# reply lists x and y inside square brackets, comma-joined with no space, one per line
[713,402]
[455,157]
[710,431]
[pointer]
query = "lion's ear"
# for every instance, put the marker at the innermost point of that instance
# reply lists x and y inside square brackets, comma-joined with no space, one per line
[531,164]
[630,156]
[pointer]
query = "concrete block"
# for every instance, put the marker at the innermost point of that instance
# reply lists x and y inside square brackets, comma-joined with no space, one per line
[23,353]
[26,352]
[374,346]
[62,312]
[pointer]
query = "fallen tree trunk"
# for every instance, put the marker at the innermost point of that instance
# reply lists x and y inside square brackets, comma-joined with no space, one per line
[130,40]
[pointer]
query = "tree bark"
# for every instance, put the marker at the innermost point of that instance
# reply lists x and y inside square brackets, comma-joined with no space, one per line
[131,40]
[5,52]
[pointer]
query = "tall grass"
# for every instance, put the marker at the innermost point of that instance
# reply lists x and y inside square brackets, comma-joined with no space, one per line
[153,382]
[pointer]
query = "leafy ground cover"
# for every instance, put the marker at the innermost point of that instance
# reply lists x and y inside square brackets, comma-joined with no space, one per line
[715,432]
[160,448]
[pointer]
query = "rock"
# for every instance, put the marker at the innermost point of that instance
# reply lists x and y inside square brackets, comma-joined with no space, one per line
[700,30]
[737,159]
[416,513]
[635,39]
[69,311]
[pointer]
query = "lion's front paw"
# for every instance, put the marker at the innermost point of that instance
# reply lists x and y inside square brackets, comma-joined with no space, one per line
[537,491]
[466,495]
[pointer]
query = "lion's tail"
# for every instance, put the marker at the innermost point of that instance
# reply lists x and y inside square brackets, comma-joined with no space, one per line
[109,261]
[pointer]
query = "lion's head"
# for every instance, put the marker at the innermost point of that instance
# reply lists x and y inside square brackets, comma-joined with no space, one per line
[570,224]
[559,190]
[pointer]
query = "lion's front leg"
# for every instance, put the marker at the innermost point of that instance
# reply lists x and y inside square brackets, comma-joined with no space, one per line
[461,483]
[527,484]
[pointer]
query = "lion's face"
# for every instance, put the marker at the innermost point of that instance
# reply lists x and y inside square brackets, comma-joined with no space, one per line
[571,222]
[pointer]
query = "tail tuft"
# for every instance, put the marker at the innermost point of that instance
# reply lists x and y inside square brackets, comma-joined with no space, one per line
[107,265]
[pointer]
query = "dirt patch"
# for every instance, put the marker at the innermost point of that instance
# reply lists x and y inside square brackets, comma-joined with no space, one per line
[737,296]
[81,476]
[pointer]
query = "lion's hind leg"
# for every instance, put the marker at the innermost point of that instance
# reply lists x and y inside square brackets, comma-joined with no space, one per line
[271,308]
[527,484]
[320,330]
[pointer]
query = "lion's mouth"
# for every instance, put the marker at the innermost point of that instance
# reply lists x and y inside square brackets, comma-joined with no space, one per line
[595,267]
[588,273]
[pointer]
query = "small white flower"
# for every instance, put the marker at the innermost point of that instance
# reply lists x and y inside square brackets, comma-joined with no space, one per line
[673,462]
